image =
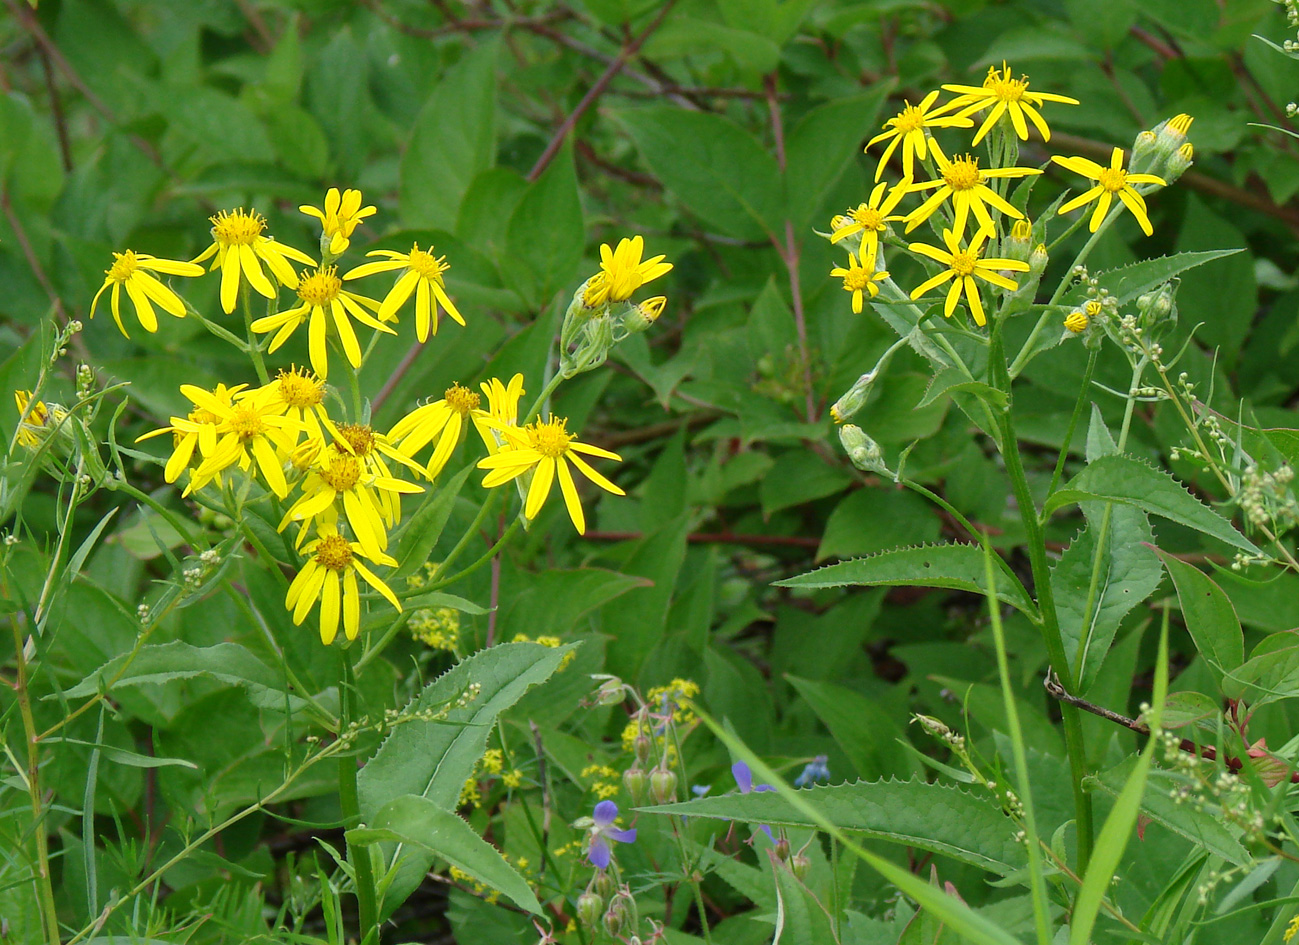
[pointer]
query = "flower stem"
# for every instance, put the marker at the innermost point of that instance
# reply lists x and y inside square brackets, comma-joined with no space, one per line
[254,349]
[358,855]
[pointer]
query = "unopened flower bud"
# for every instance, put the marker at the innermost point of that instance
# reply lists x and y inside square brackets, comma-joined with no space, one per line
[641,316]
[641,746]
[1143,148]
[611,692]
[1171,134]
[864,452]
[853,399]
[589,908]
[1038,259]
[635,781]
[936,727]
[1076,321]
[1018,243]
[621,913]
[782,849]
[1178,162]
[602,885]
[663,785]
[800,865]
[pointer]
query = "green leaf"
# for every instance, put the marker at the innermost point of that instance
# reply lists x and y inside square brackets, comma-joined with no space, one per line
[820,147]
[1132,481]
[1126,573]
[161,663]
[546,232]
[952,380]
[454,139]
[867,735]
[801,919]
[936,817]
[869,520]
[1270,674]
[1129,282]
[1209,616]
[417,821]
[718,171]
[957,567]
[122,756]
[422,530]
[800,476]
[434,758]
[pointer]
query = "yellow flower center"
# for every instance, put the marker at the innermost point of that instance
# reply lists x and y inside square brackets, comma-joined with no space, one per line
[300,389]
[246,422]
[1113,179]
[340,471]
[858,278]
[964,263]
[1004,87]
[549,438]
[321,287]
[461,399]
[963,173]
[426,264]
[1092,308]
[867,217]
[358,436]
[237,228]
[334,552]
[910,118]
[124,266]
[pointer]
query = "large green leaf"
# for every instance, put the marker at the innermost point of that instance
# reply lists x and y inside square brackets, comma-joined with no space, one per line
[1129,282]
[421,532]
[821,146]
[1209,616]
[958,567]
[546,232]
[718,171]
[1270,674]
[1129,480]
[418,822]
[867,735]
[1101,591]
[937,817]
[433,759]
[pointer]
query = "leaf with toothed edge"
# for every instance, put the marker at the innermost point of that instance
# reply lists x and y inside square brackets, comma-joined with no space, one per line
[956,567]
[1124,478]
[1127,282]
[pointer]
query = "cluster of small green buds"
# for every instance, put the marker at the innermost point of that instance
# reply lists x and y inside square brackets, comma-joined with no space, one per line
[1164,150]
[589,332]
[1266,498]
[85,380]
[65,336]
[863,452]
[1158,307]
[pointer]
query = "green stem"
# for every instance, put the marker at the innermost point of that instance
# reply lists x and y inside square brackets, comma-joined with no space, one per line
[542,398]
[358,855]
[1084,398]
[353,386]
[254,349]
[225,335]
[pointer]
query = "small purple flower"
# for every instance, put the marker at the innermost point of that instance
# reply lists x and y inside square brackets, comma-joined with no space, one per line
[600,852]
[817,770]
[744,779]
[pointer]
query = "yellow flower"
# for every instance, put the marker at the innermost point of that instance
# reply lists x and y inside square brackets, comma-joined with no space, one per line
[300,395]
[423,276]
[37,421]
[1005,96]
[198,431]
[238,245]
[622,272]
[131,270]
[1076,321]
[907,128]
[858,278]
[1291,930]
[870,219]
[368,499]
[322,300]
[967,184]
[502,406]
[330,577]
[249,430]
[962,267]
[339,217]
[443,419]
[1110,181]
[512,779]
[545,448]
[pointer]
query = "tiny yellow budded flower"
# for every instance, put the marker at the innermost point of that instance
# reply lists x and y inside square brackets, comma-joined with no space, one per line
[907,128]
[36,420]
[132,270]
[330,578]
[198,431]
[1111,181]
[339,217]
[870,219]
[622,272]
[967,185]
[858,279]
[963,265]
[545,448]
[1291,930]
[422,276]
[322,301]
[1005,96]
[240,249]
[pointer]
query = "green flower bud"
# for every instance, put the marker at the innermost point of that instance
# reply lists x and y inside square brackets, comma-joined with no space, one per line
[853,399]
[589,908]
[1178,162]
[641,746]
[602,885]
[782,849]
[642,316]
[1019,242]
[800,865]
[635,781]
[864,452]
[611,692]
[663,786]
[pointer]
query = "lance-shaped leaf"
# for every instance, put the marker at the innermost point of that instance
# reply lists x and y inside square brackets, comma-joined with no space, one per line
[1128,282]
[1208,614]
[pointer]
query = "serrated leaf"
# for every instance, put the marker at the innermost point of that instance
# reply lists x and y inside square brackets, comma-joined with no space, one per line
[953,380]
[935,817]
[1102,592]
[957,567]
[1208,614]
[417,821]
[1128,282]
[1125,479]
[433,759]
[1270,674]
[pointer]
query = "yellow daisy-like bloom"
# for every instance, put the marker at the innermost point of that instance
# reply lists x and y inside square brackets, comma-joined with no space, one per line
[330,577]
[337,473]
[908,129]
[870,219]
[622,272]
[443,419]
[858,278]
[967,185]
[321,298]
[502,407]
[37,421]
[240,249]
[248,430]
[1005,95]
[422,276]
[341,213]
[198,431]
[545,448]
[1111,181]
[298,394]
[963,265]
[370,447]
[132,270]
